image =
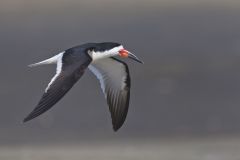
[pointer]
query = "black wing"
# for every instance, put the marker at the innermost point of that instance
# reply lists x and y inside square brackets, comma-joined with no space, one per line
[70,68]
[114,78]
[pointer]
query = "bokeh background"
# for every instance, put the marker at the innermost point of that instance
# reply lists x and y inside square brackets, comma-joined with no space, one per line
[185,99]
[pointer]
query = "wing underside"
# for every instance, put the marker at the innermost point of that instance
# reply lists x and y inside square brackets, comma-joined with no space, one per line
[114,78]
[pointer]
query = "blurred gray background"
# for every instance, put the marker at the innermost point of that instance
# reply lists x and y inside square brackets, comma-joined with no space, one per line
[187,90]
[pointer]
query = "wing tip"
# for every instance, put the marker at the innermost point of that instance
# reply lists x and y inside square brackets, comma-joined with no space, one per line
[28,118]
[116,128]
[24,120]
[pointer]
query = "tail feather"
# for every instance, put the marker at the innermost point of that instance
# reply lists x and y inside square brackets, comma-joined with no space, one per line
[52,60]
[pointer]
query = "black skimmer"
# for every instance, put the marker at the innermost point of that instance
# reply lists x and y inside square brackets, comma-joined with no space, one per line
[112,73]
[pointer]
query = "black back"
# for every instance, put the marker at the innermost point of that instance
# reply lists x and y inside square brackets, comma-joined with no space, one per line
[97,47]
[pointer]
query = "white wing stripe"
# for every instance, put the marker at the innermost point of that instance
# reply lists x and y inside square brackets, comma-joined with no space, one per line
[99,77]
[58,71]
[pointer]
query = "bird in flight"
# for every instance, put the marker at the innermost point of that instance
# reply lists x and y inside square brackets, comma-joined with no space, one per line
[99,58]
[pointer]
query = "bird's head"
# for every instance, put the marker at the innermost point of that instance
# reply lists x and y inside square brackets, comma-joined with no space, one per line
[110,49]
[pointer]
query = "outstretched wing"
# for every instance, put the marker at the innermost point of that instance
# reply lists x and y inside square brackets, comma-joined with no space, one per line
[70,68]
[114,78]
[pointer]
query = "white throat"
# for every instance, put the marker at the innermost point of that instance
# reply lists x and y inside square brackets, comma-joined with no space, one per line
[109,53]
